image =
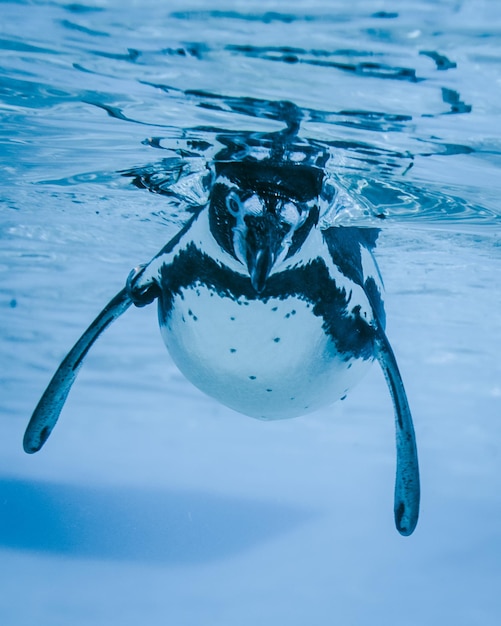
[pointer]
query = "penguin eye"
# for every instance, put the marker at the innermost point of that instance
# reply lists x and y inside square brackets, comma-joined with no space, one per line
[233,204]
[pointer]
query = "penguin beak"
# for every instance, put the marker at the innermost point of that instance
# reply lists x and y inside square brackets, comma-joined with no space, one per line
[259,264]
[263,243]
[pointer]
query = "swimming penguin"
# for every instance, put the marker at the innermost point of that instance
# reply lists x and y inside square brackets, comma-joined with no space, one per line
[263,309]
[258,307]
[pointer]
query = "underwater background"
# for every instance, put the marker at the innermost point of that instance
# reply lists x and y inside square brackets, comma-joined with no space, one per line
[152,503]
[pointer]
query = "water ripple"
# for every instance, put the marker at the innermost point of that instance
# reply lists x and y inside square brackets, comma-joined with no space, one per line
[376,97]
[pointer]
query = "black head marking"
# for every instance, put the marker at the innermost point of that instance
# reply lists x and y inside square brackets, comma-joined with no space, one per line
[261,212]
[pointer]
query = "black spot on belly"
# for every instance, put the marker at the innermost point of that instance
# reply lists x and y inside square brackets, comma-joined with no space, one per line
[277,339]
[275,308]
[269,390]
[252,377]
[233,349]
[232,318]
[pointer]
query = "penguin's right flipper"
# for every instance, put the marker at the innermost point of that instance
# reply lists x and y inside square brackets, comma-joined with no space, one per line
[50,405]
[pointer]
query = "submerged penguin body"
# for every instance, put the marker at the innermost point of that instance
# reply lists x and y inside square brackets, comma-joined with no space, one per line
[263,309]
[299,344]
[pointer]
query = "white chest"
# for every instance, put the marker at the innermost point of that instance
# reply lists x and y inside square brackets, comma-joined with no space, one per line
[268,359]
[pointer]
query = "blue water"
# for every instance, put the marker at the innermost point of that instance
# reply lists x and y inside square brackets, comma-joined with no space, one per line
[152,503]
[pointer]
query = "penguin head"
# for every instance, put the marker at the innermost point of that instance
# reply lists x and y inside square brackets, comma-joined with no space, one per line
[261,213]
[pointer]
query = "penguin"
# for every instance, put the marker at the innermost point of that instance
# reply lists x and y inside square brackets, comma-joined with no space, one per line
[260,308]
[263,308]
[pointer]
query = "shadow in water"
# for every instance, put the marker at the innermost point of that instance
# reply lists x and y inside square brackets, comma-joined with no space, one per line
[153,525]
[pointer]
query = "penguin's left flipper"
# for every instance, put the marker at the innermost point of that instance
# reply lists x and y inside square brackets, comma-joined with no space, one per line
[345,245]
[407,488]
